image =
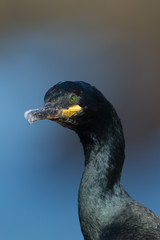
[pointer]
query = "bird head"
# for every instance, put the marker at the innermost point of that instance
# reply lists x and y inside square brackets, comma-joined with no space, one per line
[72,104]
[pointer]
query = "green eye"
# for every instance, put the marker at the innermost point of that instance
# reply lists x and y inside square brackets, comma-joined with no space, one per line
[72,99]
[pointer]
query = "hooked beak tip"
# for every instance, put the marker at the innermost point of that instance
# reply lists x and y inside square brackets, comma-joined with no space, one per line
[29,117]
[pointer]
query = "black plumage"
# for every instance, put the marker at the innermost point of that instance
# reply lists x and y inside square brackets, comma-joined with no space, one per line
[106,211]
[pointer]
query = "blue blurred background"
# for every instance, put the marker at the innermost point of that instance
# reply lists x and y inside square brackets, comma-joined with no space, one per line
[114,46]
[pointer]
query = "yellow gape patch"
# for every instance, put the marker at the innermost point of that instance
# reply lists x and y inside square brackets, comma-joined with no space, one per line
[71,111]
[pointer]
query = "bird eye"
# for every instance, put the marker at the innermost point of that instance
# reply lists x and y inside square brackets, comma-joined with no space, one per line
[73,99]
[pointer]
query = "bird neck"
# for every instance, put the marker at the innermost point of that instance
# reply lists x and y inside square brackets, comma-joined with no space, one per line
[100,192]
[104,147]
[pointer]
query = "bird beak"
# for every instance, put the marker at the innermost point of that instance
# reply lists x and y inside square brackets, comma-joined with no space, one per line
[50,112]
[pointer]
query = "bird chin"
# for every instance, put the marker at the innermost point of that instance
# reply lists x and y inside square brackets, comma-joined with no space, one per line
[67,123]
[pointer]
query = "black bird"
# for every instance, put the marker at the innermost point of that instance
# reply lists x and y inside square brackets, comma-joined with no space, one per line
[106,211]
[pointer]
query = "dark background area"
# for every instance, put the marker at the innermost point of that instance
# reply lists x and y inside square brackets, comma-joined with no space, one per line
[113,45]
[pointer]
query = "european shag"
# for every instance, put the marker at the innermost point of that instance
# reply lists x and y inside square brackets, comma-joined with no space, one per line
[106,211]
